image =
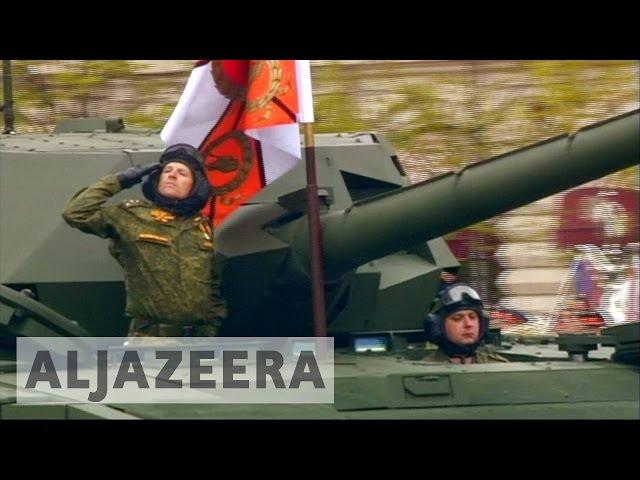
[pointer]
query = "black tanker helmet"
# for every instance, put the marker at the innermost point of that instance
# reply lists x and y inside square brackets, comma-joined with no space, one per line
[200,192]
[455,297]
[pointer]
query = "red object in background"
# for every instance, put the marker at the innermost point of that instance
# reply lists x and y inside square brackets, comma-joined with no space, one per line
[598,216]
[466,244]
[585,322]
[504,316]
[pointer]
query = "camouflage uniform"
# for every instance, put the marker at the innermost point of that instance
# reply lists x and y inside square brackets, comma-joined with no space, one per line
[481,356]
[172,281]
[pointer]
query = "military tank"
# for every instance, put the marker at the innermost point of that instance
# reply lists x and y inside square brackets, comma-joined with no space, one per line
[383,253]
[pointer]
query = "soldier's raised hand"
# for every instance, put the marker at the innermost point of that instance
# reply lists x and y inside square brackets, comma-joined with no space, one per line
[134,175]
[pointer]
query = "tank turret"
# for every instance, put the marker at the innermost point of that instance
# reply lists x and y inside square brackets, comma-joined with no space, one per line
[382,248]
[383,258]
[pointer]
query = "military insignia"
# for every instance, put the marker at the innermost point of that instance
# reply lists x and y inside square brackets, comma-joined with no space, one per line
[206,230]
[233,155]
[131,203]
[153,238]
[162,216]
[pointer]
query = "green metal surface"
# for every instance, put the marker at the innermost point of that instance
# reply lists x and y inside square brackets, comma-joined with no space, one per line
[35,319]
[384,258]
[387,234]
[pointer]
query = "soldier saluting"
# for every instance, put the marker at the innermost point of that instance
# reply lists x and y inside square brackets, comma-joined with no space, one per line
[165,246]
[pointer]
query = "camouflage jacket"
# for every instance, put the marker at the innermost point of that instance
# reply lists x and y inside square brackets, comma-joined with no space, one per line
[482,356]
[168,260]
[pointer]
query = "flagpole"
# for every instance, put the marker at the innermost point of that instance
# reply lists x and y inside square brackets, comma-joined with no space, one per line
[315,235]
[7,106]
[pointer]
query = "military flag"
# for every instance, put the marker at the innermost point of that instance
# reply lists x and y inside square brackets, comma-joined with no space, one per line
[243,116]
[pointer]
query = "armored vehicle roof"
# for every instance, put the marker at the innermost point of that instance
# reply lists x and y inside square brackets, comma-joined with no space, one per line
[93,135]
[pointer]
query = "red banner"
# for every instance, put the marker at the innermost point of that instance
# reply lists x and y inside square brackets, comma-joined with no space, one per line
[598,216]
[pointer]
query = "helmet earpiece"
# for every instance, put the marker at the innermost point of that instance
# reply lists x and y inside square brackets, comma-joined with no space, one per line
[150,185]
[484,324]
[433,328]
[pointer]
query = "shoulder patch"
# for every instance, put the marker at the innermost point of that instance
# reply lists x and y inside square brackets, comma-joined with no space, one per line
[133,202]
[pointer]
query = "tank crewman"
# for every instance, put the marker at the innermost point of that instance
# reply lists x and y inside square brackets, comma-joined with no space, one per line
[164,245]
[458,325]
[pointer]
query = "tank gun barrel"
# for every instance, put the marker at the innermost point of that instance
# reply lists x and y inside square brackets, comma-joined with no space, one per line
[403,218]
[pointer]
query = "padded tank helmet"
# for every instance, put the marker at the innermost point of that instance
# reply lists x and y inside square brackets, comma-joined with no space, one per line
[201,191]
[455,297]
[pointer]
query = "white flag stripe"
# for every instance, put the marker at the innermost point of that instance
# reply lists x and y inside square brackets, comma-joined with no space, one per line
[284,137]
[305,96]
[276,162]
[199,108]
